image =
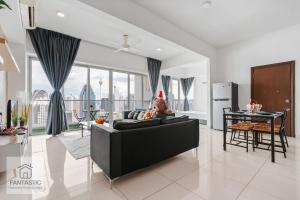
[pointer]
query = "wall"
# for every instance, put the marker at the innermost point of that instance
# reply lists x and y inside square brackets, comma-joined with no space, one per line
[16,80]
[234,61]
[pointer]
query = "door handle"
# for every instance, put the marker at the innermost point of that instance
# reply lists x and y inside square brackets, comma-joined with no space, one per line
[287,101]
[288,109]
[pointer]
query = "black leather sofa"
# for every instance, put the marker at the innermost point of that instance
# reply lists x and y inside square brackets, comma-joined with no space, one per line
[119,152]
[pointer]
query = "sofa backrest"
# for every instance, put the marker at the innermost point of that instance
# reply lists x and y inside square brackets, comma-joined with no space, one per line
[145,146]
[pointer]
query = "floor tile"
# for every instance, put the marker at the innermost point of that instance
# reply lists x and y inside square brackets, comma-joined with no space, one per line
[174,192]
[211,186]
[141,184]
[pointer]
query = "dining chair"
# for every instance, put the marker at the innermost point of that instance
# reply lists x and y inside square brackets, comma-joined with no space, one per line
[80,120]
[265,128]
[239,126]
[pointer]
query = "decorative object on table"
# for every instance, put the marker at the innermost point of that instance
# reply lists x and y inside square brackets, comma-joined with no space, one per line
[100,120]
[251,106]
[4,5]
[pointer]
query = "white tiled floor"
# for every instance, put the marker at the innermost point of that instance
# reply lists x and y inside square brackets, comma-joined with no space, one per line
[213,175]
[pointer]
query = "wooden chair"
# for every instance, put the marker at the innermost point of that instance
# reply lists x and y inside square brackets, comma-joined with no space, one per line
[265,128]
[239,126]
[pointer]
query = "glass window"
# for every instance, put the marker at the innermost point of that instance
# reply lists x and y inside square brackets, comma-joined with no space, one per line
[120,94]
[136,91]
[76,94]
[175,85]
[41,91]
[81,92]
[99,80]
[41,88]
[2,95]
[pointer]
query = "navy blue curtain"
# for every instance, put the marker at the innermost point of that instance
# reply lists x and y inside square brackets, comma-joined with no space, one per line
[186,84]
[57,53]
[166,84]
[153,70]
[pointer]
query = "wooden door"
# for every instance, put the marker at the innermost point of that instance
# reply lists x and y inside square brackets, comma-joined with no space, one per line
[273,87]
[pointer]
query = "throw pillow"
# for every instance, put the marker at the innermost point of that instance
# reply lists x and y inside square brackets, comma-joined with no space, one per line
[130,115]
[141,115]
[136,114]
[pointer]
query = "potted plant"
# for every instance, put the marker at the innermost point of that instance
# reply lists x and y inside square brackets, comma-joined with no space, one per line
[23,121]
[15,121]
[3,5]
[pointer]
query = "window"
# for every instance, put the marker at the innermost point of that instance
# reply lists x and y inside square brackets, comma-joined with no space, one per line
[86,87]
[99,80]
[136,91]
[75,91]
[120,94]
[41,90]
[2,95]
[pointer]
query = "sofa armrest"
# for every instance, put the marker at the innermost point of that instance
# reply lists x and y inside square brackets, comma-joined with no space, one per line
[106,150]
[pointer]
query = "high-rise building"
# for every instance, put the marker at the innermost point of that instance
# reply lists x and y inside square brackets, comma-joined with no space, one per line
[84,99]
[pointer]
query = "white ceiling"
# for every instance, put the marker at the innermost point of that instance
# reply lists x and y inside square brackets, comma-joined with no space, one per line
[90,24]
[226,21]
[10,22]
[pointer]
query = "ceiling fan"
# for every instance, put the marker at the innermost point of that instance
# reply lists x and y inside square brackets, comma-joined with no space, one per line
[125,46]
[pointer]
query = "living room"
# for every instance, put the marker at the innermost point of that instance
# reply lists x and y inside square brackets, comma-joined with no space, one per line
[147,59]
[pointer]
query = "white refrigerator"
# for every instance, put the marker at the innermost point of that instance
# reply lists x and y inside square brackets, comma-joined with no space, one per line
[225,95]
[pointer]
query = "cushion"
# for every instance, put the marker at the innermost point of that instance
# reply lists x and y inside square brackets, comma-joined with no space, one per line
[130,115]
[141,116]
[136,114]
[133,124]
[171,120]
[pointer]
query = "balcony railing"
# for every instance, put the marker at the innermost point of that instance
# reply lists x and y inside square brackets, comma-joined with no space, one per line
[40,111]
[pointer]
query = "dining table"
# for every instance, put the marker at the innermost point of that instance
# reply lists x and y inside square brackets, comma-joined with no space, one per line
[269,117]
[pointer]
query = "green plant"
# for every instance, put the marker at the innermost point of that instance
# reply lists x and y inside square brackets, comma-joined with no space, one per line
[3,5]
[23,120]
[15,120]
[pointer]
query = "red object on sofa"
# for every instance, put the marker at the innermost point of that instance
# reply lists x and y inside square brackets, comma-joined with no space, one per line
[160,94]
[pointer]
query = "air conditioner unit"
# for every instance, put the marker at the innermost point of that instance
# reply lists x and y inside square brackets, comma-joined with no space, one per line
[28,13]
